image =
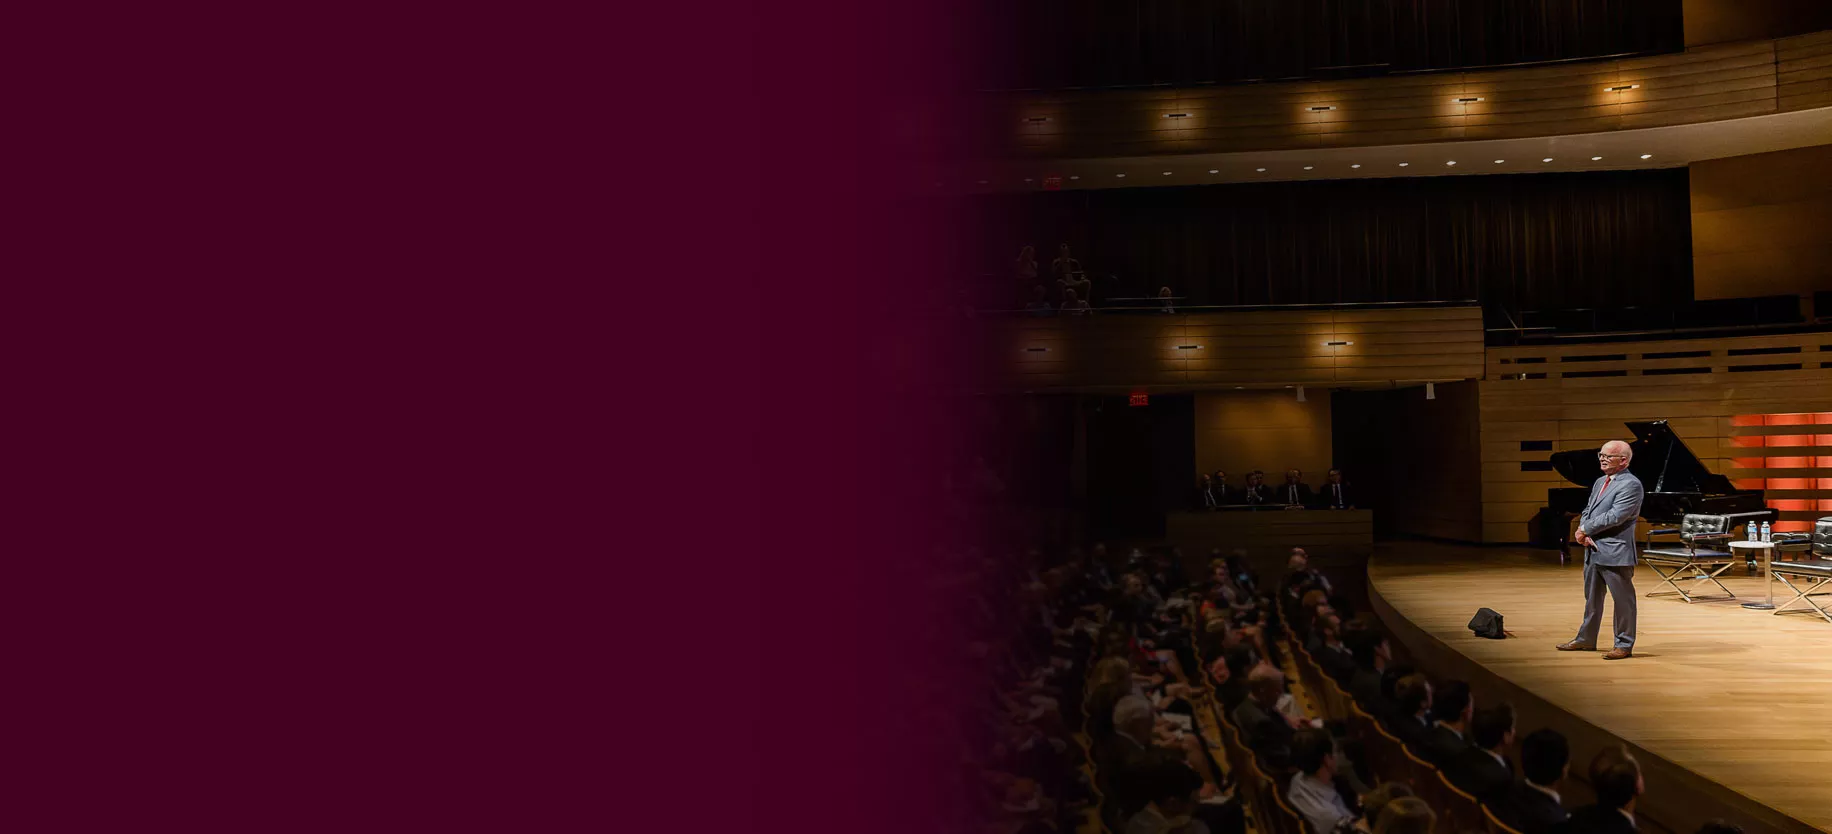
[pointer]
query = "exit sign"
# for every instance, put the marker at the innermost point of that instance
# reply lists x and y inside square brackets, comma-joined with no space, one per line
[1141,399]
[1052,182]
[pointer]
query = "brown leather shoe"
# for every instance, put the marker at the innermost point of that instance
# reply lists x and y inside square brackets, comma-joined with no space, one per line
[1575,646]
[1619,654]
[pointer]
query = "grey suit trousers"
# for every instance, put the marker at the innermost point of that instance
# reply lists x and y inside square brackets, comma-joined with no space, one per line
[1620,582]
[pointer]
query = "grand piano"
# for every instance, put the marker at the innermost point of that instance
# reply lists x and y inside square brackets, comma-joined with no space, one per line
[1676,481]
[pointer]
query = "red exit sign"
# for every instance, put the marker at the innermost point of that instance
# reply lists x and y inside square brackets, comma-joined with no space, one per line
[1141,399]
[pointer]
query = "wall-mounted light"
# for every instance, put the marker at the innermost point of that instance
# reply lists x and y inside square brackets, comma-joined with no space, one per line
[1037,120]
[1189,347]
[1322,108]
[1036,350]
[1620,87]
[1176,115]
[1301,394]
[1335,344]
[1469,99]
[1431,390]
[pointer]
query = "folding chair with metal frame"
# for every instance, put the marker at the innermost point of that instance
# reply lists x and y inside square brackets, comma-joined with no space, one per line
[1689,561]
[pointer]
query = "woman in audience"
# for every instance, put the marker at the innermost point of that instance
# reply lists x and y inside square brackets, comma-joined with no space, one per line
[1406,815]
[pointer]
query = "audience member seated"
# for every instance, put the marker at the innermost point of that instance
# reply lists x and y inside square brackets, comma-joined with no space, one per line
[1313,791]
[1533,805]
[1170,789]
[1256,491]
[1297,567]
[1327,649]
[1294,492]
[1208,496]
[1720,827]
[1376,801]
[1483,770]
[1068,274]
[1237,663]
[1266,730]
[1451,709]
[1026,266]
[1406,815]
[1073,305]
[1371,654]
[1335,495]
[1410,719]
[1616,777]
[1039,303]
[1222,490]
[1164,300]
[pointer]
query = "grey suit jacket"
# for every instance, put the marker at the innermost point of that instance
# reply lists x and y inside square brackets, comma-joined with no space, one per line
[1610,517]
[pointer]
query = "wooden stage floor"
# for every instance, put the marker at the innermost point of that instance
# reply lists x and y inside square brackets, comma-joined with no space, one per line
[1728,709]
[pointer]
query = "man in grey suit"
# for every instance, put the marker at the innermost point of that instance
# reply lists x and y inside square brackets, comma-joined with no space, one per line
[1607,532]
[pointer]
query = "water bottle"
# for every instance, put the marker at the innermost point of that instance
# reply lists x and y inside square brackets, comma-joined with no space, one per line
[1752,531]
[1765,532]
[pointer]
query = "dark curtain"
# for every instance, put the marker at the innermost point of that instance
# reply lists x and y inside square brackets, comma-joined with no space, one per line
[1526,241]
[1053,44]
[1138,463]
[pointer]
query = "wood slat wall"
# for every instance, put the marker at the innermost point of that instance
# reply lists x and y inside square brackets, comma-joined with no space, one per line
[1583,413]
[1275,347]
[1710,83]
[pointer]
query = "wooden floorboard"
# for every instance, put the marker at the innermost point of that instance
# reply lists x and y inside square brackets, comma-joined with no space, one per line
[1730,708]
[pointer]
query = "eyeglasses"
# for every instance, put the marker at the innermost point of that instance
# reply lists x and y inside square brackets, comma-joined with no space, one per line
[1611,457]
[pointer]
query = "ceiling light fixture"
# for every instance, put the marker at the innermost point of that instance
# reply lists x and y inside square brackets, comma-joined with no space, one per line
[1452,162]
[1647,156]
[1595,158]
[1547,159]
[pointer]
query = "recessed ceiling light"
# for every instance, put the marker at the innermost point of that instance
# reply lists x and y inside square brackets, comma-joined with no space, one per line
[1452,162]
[1595,158]
[1547,159]
[1356,165]
[1214,170]
[1499,161]
[1262,170]
[1647,156]
[1308,167]
[1404,164]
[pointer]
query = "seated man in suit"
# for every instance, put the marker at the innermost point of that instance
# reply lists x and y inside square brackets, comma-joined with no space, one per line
[1223,492]
[1294,492]
[1533,805]
[1451,710]
[1369,651]
[1616,776]
[1483,770]
[1256,491]
[1410,720]
[1170,788]
[1335,495]
[1266,730]
[1327,649]
[1208,496]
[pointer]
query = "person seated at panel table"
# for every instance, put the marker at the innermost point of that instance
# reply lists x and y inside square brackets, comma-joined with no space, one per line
[1209,495]
[1256,491]
[1039,304]
[1294,492]
[1226,493]
[1334,494]
[1164,300]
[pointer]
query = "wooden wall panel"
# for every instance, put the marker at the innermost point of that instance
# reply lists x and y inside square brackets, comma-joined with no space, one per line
[1239,431]
[1583,412]
[1706,83]
[1108,351]
[1759,222]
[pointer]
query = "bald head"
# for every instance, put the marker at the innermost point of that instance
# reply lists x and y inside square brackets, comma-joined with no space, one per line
[1614,456]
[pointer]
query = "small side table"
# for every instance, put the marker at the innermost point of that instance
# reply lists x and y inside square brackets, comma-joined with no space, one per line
[1768,573]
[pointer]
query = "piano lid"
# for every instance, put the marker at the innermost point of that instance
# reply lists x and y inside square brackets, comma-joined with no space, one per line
[1661,460]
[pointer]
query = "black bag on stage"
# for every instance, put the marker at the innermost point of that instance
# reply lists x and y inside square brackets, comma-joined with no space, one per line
[1487,623]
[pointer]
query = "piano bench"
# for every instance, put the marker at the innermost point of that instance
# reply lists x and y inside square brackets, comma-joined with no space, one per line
[1814,576]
